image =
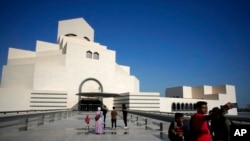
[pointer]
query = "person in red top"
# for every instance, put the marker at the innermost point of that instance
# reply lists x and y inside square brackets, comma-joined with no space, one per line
[87,121]
[201,131]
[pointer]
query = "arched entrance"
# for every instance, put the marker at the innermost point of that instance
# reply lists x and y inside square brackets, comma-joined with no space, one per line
[90,103]
[91,79]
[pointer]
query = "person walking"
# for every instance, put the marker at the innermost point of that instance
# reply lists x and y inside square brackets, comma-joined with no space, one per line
[98,121]
[113,118]
[125,114]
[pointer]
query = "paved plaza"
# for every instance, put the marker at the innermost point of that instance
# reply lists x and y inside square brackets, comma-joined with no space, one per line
[73,129]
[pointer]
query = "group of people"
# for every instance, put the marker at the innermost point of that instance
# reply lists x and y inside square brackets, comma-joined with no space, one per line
[202,126]
[100,118]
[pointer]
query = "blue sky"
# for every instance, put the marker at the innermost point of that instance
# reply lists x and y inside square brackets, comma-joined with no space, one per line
[166,43]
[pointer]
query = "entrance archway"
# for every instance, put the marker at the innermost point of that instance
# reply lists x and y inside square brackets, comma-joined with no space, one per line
[89,104]
[91,79]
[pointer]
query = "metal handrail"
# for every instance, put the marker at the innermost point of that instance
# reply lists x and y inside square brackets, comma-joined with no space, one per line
[29,111]
[168,117]
[24,121]
[163,121]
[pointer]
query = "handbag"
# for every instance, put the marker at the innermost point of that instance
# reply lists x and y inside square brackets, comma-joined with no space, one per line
[97,117]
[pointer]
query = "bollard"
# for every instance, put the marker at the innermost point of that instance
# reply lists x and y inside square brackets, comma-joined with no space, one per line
[64,114]
[60,116]
[40,120]
[43,119]
[163,129]
[148,121]
[24,124]
[55,116]
[67,114]
[137,120]
[51,118]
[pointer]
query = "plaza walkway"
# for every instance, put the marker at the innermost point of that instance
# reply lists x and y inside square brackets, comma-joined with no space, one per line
[72,129]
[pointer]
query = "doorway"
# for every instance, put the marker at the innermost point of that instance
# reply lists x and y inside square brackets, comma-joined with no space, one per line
[89,104]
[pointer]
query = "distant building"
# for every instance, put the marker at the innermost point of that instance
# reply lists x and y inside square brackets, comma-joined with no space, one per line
[183,98]
[78,73]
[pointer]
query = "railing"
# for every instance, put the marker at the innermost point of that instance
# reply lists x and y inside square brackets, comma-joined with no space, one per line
[29,111]
[168,117]
[23,122]
[158,123]
[161,120]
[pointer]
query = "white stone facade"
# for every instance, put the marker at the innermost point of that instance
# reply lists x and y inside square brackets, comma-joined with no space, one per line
[52,75]
[183,98]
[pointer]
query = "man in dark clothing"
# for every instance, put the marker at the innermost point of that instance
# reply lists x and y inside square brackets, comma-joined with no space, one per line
[220,127]
[125,114]
[104,111]
[176,131]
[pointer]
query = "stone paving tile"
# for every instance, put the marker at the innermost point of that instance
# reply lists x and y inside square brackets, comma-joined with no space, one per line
[72,129]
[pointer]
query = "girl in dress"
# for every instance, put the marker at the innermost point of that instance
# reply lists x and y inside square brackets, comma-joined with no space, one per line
[87,121]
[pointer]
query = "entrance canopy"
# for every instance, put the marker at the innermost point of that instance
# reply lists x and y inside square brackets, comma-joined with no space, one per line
[98,94]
